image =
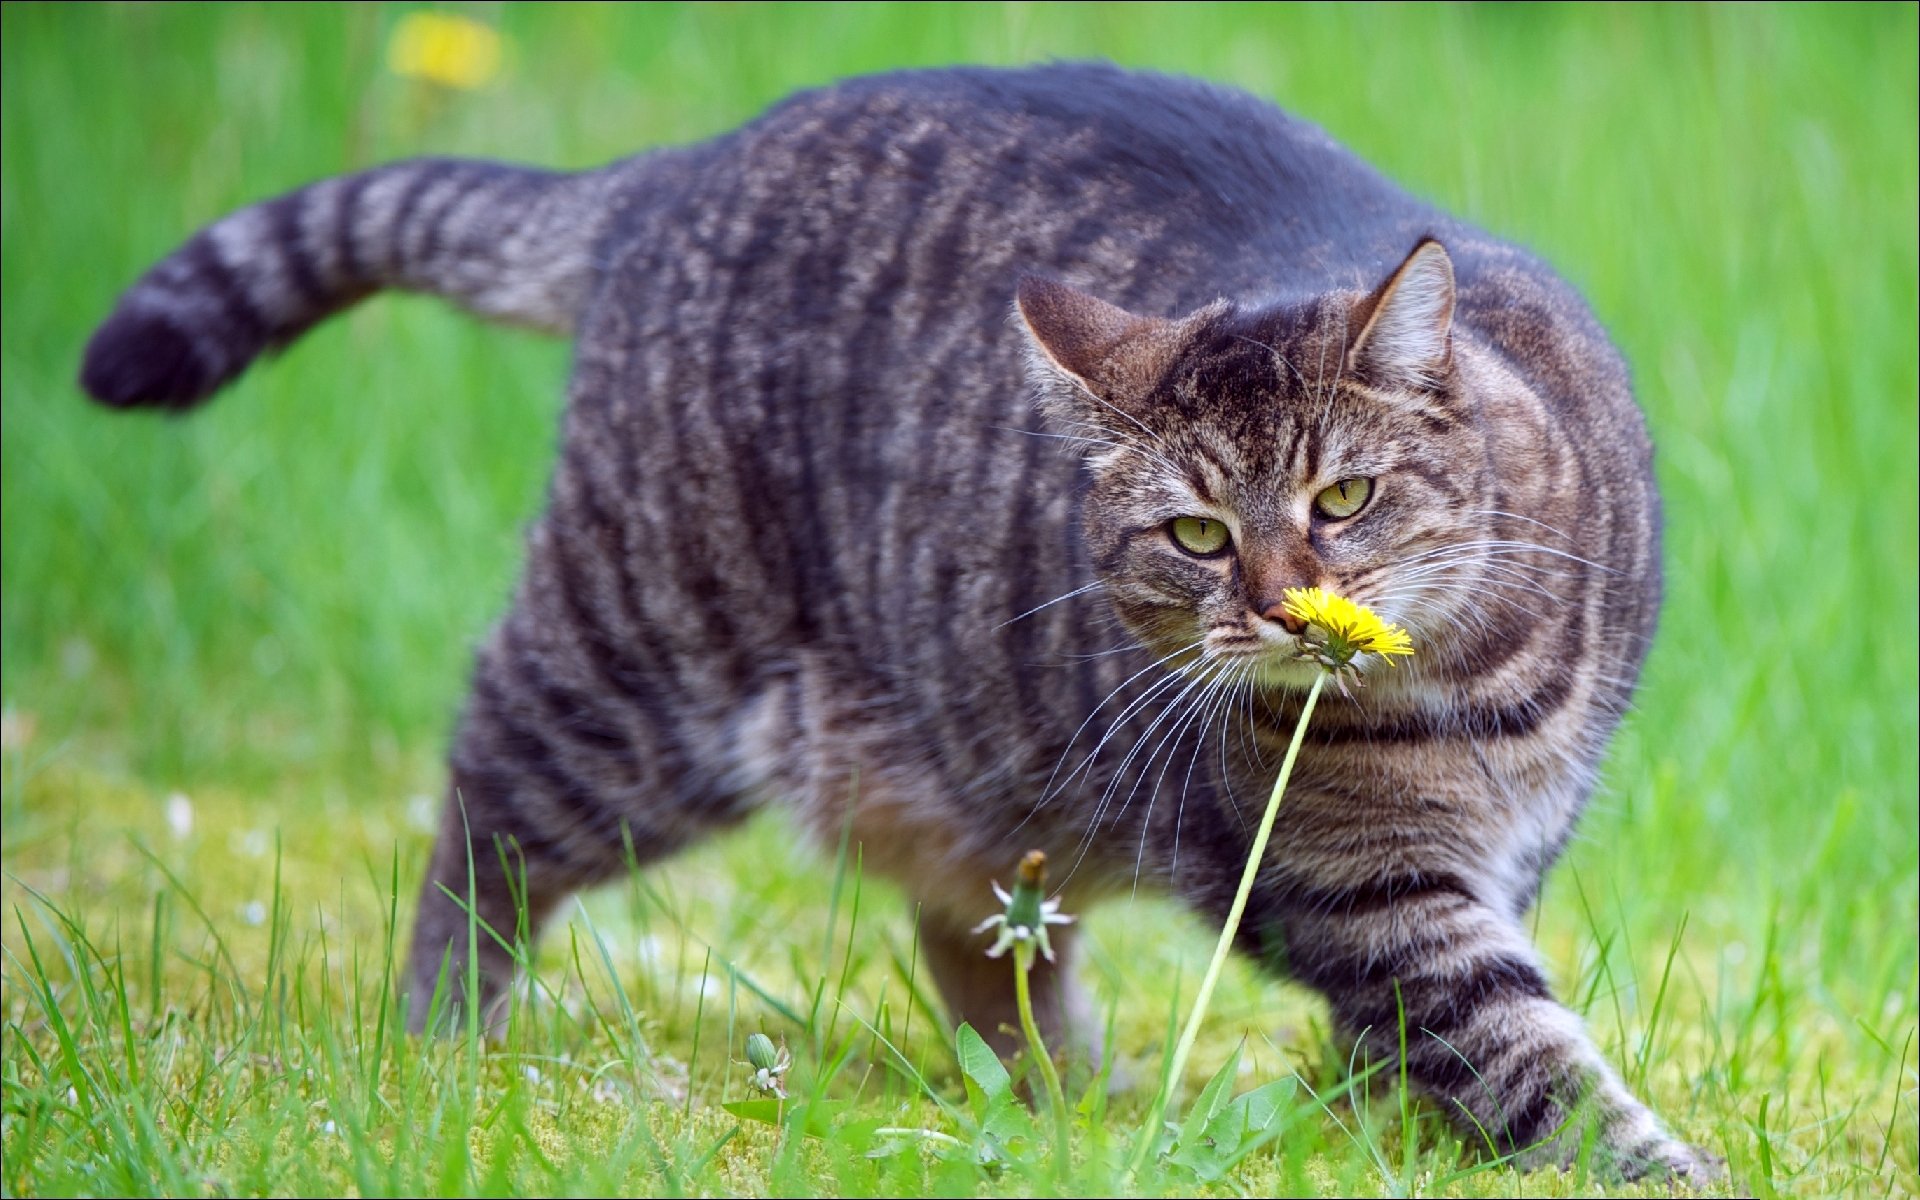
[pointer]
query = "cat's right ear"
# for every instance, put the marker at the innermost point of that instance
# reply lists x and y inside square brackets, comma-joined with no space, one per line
[1093,361]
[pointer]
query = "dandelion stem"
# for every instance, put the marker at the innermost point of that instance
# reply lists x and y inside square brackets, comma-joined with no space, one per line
[1056,1099]
[1255,857]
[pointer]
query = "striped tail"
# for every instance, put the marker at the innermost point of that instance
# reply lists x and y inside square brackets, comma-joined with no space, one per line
[505,242]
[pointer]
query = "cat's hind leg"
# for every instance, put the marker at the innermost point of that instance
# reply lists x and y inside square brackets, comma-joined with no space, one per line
[569,767]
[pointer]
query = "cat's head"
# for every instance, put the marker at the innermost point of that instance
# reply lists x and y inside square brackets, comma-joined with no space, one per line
[1237,453]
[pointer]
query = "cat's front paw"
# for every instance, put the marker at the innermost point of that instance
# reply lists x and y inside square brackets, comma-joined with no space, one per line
[1674,1161]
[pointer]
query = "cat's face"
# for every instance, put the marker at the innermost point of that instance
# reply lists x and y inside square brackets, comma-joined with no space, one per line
[1236,454]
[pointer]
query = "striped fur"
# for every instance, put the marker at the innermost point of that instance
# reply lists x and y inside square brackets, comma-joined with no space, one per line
[811,542]
[506,242]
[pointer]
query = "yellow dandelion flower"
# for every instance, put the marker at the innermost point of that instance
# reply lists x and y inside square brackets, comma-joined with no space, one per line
[442,48]
[1346,629]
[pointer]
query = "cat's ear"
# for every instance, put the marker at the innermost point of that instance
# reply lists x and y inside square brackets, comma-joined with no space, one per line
[1089,357]
[1406,338]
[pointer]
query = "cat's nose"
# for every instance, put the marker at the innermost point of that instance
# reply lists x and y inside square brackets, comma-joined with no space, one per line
[1276,610]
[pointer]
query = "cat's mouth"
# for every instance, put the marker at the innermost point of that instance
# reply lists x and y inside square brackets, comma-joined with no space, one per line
[1276,671]
[1270,659]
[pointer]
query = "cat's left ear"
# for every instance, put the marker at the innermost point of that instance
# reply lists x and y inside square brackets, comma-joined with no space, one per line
[1406,339]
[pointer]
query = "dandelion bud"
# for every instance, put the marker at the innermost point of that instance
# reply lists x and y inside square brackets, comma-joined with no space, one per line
[1029,889]
[1033,869]
[761,1055]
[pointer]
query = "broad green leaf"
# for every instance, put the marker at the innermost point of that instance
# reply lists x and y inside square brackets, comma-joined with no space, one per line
[766,1112]
[1002,1122]
[812,1120]
[988,1083]
[1211,1100]
[1237,1130]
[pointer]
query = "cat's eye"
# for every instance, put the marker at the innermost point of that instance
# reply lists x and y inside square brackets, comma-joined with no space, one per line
[1343,499]
[1201,536]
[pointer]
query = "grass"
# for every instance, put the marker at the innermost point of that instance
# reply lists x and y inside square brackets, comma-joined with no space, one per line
[267,610]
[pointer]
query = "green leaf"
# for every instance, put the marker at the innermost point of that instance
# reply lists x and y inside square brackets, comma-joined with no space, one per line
[988,1084]
[1235,1130]
[1212,1099]
[766,1112]
[1002,1123]
[811,1120]
[1264,1110]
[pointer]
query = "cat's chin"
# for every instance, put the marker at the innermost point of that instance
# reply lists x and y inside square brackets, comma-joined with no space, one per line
[1291,674]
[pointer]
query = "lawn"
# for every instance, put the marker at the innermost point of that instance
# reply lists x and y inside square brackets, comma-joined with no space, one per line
[233,643]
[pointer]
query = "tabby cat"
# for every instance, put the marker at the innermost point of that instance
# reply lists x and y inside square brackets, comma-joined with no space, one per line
[812,542]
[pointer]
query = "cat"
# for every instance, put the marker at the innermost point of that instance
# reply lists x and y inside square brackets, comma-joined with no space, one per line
[938,448]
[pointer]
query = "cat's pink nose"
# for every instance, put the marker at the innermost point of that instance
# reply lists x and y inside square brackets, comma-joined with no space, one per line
[1277,611]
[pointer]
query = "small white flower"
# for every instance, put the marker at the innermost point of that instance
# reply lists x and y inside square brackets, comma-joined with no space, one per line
[255,913]
[769,1065]
[1027,915]
[179,815]
[423,812]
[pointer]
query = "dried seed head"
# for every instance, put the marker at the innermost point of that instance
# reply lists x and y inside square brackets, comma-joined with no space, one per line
[1033,869]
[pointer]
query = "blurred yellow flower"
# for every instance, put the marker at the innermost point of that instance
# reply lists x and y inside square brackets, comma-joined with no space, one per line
[446,49]
[1349,628]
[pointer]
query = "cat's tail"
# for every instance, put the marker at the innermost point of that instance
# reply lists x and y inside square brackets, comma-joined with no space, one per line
[507,242]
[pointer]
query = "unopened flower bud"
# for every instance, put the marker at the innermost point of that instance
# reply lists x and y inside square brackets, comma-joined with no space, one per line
[761,1055]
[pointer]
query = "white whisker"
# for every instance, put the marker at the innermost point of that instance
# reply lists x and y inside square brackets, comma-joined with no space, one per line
[1079,591]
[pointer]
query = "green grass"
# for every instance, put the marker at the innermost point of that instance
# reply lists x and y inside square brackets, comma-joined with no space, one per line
[269,608]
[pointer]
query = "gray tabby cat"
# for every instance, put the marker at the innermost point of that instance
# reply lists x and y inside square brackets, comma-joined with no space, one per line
[810,540]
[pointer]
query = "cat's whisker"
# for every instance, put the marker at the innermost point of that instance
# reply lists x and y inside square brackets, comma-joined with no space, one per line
[1129,647]
[1489,577]
[1512,545]
[1339,364]
[1471,605]
[1513,516]
[1126,447]
[1048,792]
[1522,574]
[1483,565]
[1237,686]
[1117,411]
[1119,772]
[1053,790]
[1217,701]
[1079,591]
[1249,739]
[1459,565]
[1201,704]
[1199,678]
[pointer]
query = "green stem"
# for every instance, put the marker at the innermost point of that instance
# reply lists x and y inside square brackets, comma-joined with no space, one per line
[1256,856]
[1062,1147]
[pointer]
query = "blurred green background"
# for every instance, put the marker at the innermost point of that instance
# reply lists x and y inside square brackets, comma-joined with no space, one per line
[280,594]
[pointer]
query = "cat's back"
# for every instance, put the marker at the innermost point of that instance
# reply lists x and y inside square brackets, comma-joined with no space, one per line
[880,225]
[1169,191]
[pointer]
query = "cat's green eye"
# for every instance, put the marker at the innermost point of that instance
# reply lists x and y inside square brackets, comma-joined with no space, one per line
[1200,535]
[1343,499]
